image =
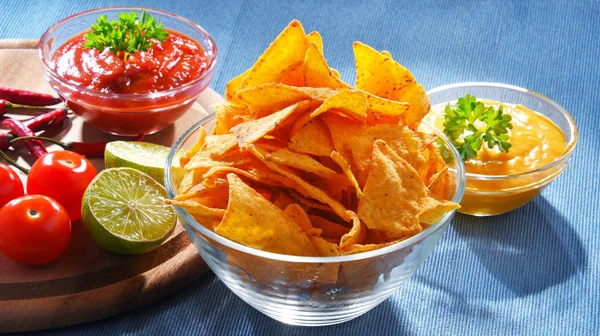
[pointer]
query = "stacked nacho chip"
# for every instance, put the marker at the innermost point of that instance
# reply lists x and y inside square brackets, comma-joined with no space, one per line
[301,163]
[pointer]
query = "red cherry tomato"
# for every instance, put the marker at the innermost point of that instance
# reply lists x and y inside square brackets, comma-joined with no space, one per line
[34,229]
[10,185]
[63,176]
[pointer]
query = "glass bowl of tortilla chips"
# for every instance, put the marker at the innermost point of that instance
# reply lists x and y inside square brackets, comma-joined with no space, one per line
[313,200]
[309,291]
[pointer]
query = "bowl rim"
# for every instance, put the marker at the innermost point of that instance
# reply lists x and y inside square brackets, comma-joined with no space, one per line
[441,224]
[151,95]
[571,143]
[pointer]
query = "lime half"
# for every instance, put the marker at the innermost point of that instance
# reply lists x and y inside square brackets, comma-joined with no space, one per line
[143,156]
[124,211]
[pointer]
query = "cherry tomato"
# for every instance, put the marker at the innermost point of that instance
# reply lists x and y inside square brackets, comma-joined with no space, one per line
[10,185]
[34,229]
[63,176]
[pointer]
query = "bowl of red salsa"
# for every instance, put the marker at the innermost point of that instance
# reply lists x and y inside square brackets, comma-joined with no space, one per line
[128,93]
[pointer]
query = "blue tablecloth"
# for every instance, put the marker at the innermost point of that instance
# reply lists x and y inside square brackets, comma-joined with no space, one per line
[532,271]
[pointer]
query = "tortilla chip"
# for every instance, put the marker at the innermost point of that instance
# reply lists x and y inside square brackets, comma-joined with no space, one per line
[301,186]
[327,249]
[339,159]
[329,273]
[391,194]
[232,88]
[218,145]
[203,193]
[418,99]
[330,229]
[436,178]
[335,73]
[379,74]
[251,131]
[201,213]
[317,93]
[360,248]
[312,138]
[342,130]
[351,103]
[404,142]
[432,210]
[226,116]
[192,181]
[316,71]
[266,99]
[308,203]
[386,53]
[299,216]
[315,37]
[300,161]
[283,200]
[382,109]
[255,222]
[185,158]
[202,161]
[252,175]
[285,51]
[439,184]
[356,235]
[293,75]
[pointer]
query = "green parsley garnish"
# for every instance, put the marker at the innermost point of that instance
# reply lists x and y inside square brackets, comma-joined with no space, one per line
[126,36]
[459,126]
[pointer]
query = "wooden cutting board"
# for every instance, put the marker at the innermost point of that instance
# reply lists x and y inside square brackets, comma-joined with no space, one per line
[88,283]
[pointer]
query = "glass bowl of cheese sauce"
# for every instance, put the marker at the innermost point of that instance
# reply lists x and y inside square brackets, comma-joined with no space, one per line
[543,138]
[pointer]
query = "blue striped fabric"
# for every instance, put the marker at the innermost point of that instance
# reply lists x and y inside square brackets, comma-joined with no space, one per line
[533,271]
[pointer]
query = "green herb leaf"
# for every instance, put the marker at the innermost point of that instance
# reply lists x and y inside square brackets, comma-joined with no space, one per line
[460,127]
[124,37]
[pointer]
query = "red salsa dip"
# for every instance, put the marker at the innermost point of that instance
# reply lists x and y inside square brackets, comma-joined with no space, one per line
[166,65]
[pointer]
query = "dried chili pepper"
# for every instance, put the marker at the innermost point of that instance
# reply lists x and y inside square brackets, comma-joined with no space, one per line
[35,147]
[27,97]
[87,149]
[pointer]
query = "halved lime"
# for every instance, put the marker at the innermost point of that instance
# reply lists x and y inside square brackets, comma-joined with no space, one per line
[124,211]
[146,157]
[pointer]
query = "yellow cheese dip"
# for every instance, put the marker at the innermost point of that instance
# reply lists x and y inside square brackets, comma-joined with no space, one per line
[536,141]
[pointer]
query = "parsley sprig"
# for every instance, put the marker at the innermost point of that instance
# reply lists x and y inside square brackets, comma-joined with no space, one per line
[460,127]
[124,37]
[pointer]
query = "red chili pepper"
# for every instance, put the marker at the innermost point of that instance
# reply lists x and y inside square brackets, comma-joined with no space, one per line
[28,97]
[35,147]
[5,105]
[46,120]
[88,149]
[4,141]
[39,123]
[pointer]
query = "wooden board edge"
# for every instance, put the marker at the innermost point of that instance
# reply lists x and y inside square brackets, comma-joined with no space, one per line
[105,277]
[50,312]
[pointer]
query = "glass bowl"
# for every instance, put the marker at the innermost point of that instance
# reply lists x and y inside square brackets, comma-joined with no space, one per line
[310,291]
[488,195]
[126,114]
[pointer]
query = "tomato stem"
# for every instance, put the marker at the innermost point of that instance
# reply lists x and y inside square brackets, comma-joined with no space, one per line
[14,163]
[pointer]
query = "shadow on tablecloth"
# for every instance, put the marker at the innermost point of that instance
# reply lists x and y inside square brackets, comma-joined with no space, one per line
[527,251]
